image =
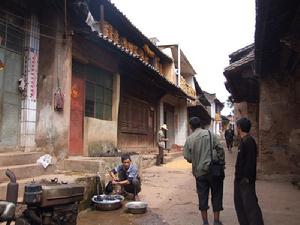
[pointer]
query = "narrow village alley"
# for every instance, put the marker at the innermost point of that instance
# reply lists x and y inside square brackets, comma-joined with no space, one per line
[171,195]
[94,92]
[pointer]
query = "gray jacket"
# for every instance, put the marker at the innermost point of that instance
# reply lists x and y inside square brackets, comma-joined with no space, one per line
[197,151]
[160,138]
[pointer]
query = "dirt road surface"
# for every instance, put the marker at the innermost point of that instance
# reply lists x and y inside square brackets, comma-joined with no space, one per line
[171,195]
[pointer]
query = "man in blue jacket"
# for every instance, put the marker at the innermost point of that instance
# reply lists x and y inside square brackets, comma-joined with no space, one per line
[127,176]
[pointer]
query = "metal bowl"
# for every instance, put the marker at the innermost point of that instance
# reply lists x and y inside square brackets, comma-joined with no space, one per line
[136,207]
[102,202]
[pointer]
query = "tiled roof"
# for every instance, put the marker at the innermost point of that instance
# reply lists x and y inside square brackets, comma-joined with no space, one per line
[200,93]
[242,50]
[201,112]
[113,7]
[239,63]
[140,60]
[95,35]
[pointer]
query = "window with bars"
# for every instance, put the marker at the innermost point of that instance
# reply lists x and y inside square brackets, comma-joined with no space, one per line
[12,33]
[98,90]
[98,93]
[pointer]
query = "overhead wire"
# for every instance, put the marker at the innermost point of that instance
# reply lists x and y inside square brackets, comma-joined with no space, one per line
[14,27]
[61,31]
[28,20]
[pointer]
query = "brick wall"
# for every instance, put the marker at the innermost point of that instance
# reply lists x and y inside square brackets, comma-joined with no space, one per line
[250,111]
[279,123]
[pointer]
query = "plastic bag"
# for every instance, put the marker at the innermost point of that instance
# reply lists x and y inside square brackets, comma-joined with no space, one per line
[45,160]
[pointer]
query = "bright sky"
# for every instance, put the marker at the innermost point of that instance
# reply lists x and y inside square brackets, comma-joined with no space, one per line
[207,30]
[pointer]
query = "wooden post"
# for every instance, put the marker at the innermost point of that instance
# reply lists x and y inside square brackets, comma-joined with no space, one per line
[102,18]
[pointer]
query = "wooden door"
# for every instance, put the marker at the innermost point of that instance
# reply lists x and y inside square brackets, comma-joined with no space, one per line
[77,116]
[151,128]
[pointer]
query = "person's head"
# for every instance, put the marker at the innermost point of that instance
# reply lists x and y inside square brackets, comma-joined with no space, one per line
[126,161]
[243,125]
[195,123]
[164,127]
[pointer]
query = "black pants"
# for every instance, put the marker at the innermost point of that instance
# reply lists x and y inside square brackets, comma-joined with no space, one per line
[215,184]
[134,187]
[229,142]
[246,204]
[160,156]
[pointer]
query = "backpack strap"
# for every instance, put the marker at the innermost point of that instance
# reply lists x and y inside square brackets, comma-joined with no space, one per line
[210,143]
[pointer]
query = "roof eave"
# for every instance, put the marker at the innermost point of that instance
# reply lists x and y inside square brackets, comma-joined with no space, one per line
[126,21]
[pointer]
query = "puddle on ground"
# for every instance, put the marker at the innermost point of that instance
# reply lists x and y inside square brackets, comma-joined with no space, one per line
[118,217]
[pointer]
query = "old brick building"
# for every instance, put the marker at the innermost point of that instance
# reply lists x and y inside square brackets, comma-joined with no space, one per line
[265,83]
[243,86]
[90,81]
[277,65]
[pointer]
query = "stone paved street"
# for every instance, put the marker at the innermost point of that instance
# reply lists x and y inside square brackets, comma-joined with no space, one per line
[171,194]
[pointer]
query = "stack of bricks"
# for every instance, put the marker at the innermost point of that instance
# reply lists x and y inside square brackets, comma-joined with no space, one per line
[116,36]
[104,26]
[191,91]
[141,53]
[124,42]
[130,46]
[110,31]
[135,49]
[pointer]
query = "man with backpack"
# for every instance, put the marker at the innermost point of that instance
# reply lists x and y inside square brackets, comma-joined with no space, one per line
[206,154]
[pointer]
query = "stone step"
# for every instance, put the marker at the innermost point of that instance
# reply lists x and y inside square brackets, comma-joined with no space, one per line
[104,164]
[19,158]
[94,164]
[26,171]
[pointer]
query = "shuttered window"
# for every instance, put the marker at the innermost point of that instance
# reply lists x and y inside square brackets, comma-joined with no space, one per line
[134,115]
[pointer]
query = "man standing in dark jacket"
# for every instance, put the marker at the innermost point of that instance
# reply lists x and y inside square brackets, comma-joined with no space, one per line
[229,134]
[245,199]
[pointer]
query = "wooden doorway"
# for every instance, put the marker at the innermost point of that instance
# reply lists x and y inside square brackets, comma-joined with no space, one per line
[151,128]
[77,116]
